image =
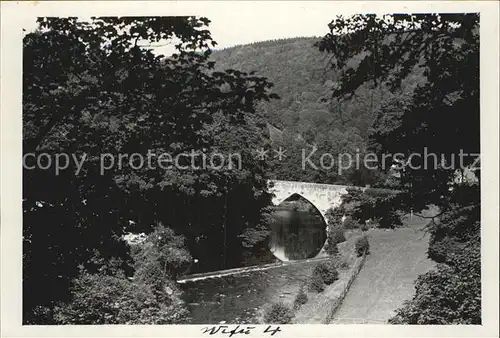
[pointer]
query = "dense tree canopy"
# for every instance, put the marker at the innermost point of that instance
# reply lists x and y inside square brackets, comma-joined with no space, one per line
[440,116]
[150,298]
[90,89]
[438,112]
[393,84]
[306,115]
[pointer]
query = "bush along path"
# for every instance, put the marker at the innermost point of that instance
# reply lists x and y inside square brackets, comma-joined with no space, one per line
[396,258]
[346,286]
[322,305]
[326,286]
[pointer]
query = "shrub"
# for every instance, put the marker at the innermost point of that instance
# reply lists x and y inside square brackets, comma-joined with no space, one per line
[278,313]
[334,216]
[103,299]
[327,272]
[449,294]
[341,263]
[316,283]
[337,235]
[440,250]
[362,246]
[300,299]
[372,223]
[391,220]
[331,247]
[349,223]
[162,255]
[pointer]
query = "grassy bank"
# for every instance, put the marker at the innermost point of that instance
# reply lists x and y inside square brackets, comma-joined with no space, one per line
[318,307]
[237,299]
[396,259]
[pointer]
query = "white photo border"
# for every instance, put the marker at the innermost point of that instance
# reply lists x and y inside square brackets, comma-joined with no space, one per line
[12,16]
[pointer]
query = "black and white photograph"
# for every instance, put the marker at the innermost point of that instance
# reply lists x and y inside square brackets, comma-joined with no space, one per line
[242,171]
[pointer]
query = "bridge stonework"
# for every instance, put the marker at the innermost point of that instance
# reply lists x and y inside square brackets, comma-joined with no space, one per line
[322,196]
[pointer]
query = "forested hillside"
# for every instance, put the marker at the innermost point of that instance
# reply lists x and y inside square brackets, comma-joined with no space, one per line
[92,94]
[297,70]
[306,113]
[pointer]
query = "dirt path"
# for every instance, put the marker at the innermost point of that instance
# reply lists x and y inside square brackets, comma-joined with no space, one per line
[386,280]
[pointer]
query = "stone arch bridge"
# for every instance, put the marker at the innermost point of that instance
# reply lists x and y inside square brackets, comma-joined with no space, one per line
[322,196]
[288,244]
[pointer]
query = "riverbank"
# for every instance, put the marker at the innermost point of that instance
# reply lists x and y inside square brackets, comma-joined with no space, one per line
[318,308]
[238,297]
[397,257]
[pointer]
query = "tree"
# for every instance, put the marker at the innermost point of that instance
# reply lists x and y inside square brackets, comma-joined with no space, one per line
[90,89]
[98,298]
[161,257]
[449,294]
[436,114]
[381,206]
[433,117]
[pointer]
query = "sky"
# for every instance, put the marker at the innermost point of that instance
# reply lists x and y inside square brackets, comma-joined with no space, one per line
[260,26]
[235,24]
[233,30]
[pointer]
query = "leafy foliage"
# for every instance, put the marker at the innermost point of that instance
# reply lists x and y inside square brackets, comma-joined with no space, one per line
[449,294]
[439,250]
[379,206]
[160,259]
[348,223]
[278,313]
[341,263]
[362,246]
[327,271]
[442,108]
[316,283]
[164,248]
[331,247]
[103,299]
[335,236]
[432,118]
[300,299]
[81,97]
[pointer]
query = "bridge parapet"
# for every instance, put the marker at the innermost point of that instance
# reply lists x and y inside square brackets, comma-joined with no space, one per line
[322,196]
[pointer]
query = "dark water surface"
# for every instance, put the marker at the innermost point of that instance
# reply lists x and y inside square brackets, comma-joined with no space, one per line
[298,230]
[298,233]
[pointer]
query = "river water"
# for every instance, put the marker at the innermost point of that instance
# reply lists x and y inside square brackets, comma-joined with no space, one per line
[298,233]
[298,230]
[236,299]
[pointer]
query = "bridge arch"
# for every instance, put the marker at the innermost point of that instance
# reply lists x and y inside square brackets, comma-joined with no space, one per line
[299,229]
[322,196]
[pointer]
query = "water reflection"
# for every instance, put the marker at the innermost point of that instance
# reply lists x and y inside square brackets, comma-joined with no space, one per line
[298,229]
